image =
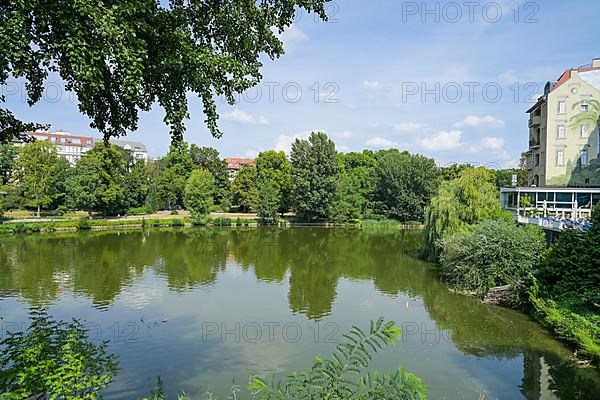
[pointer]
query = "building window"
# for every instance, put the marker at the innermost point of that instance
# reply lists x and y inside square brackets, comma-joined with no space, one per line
[561,132]
[537,160]
[562,107]
[583,131]
[560,157]
[585,107]
[584,157]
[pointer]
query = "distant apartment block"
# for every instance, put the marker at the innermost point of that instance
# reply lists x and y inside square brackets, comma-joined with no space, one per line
[235,164]
[138,150]
[562,153]
[73,147]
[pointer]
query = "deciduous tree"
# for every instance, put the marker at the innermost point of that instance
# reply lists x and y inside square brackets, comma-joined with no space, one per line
[314,174]
[199,192]
[404,185]
[35,172]
[275,167]
[121,57]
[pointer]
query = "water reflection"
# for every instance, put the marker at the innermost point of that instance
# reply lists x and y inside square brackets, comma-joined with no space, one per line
[311,263]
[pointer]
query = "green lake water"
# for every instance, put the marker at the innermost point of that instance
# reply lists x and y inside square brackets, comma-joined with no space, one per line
[205,309]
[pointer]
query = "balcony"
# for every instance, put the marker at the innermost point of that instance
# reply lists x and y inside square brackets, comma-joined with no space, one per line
[535,120]
[534,143]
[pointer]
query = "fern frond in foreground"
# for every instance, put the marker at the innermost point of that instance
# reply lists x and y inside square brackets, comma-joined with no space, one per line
[345,374]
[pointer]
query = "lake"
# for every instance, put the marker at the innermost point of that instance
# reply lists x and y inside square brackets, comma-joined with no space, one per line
[206,308]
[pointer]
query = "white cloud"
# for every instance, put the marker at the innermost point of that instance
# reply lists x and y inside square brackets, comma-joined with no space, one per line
[251,153]
[291,35]
[492,143]
[381,143]
[344,135]
[343,148]
[243,118]
[372,85]
[408,126]
[284,142]
[473,121]
[442,141]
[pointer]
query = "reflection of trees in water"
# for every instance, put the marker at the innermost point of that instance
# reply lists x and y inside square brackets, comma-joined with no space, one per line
[100,265]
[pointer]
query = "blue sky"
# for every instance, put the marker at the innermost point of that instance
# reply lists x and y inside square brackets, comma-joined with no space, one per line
[418,76]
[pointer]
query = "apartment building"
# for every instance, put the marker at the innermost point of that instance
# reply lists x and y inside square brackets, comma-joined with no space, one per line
[71,147]
[235,164]
[562,153]
[138,150]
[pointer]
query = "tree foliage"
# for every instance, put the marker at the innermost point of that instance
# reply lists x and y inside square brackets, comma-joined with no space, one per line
[53,360]
[274,166]
[121,57]
[36,172]
[268,201]
[464,201]
[244,190]
[314,174]
[404,186]
[98,182]
[208,158]
[199,192]
[345,374]
[492,253]
[571,269]
[8,158]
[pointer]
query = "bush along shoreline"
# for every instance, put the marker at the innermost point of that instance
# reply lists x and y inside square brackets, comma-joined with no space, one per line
[511,266]
[483,252]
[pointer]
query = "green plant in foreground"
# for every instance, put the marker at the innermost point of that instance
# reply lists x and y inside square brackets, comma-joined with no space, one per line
[345,374]
[54,360]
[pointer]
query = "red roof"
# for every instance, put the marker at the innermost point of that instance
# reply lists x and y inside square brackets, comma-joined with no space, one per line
[238,163]
[567,75]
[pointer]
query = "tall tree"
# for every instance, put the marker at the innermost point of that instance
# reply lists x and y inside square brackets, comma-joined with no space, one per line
[208,158]
[360,168]
[274,167]
[268,201]
[405,184]
[314,172]
[349,201]
[8,158]
[243,188]
[137,183]
[35,172]
[470,198]
[174,173]
[121,57]
[86,185]
[199,192]
[98,181]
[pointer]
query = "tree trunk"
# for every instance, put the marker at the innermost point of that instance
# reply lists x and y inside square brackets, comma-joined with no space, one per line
[39,209]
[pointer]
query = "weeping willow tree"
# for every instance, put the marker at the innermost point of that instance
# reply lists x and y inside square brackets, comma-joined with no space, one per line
[464,201]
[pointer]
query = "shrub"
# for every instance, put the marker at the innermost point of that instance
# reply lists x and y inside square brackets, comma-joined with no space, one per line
[492,253]
[222,221]
[84,224]
[202,221]
[19,228]
[174,212]
[53,360]
[138,211]
[177,223]
[61,211]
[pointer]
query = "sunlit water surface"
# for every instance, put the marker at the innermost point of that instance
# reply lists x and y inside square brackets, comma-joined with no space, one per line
[205,309]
